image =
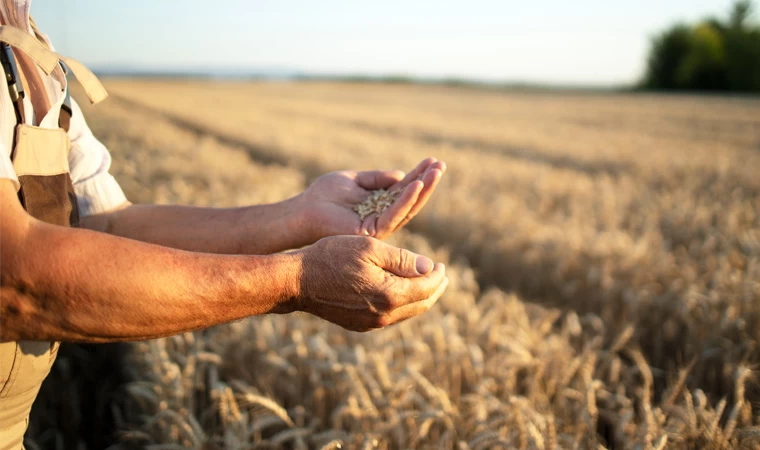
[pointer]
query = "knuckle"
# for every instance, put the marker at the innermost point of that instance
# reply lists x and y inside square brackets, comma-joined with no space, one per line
[375,245]
[329,244]
[386,302]
[366,244]
[403,257]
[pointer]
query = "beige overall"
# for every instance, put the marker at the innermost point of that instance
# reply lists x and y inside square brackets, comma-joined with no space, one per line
[40,159]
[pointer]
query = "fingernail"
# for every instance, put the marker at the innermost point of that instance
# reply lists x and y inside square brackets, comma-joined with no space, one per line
[424,265]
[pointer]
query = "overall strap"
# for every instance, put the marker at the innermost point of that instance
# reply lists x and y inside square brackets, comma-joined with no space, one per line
[41,55]
[92,86]
[46,59]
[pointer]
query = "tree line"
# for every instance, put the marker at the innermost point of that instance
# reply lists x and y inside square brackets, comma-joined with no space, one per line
[717,54]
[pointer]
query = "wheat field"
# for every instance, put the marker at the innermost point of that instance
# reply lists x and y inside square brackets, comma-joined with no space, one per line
[603,251]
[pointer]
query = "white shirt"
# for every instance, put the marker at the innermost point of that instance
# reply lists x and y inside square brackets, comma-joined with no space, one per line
[89,160]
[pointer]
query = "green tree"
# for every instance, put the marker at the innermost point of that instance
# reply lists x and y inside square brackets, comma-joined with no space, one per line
[704,65]
[668,54]
[712,55]
[743,60]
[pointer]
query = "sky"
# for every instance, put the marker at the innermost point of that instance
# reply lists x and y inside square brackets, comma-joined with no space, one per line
[578,42]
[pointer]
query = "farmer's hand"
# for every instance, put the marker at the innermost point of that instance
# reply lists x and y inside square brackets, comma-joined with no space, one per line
[362,284]
[330,199]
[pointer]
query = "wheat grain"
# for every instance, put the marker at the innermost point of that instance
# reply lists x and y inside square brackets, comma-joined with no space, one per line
[249,400]
[378,201]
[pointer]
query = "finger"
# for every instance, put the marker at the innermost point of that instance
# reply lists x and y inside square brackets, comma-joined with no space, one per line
[440,165]
[414,174]
[400,262]
[369,225]
[397,212]
[378,179]
[406,291]
[365,319]
[415,309]
[355,320]
[431,179]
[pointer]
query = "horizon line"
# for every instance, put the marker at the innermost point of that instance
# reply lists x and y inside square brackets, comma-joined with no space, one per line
[285,74]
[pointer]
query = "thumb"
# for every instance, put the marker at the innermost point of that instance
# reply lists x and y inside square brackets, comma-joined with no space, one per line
[403,263]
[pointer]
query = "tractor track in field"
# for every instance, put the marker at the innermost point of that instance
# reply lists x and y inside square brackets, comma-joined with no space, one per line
[611,168]
[257,153]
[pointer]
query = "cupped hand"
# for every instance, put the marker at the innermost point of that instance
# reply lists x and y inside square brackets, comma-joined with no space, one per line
[329,201]
[362,284]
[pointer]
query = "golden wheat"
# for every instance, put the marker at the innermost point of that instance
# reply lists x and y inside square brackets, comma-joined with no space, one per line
[603,251]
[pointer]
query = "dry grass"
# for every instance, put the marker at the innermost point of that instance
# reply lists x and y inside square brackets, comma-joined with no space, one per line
[605,259]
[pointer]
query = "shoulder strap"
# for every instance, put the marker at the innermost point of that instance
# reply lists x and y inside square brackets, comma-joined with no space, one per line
[92,86]
[47,60]
[17,94]
[41,55]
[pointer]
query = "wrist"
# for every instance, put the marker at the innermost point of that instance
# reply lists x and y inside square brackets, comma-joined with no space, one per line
[266,229]
[303,220]
[288,272]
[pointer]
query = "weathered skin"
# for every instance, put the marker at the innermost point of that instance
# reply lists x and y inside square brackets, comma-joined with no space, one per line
[62,284]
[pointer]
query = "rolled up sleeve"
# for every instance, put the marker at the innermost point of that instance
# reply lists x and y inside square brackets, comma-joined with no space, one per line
[89,162]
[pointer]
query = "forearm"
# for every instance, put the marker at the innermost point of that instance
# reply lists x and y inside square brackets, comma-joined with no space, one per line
[79,285]
[260,229]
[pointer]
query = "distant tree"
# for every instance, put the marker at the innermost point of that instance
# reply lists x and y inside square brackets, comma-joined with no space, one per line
[740,14]
[712,55]
[667,56]
[743,49]
[704,65]
[743,60]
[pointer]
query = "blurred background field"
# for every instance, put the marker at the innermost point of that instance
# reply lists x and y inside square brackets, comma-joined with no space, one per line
[604,251]
[603,246]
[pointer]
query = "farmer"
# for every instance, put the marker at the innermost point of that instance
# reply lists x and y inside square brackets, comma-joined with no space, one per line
[80,263]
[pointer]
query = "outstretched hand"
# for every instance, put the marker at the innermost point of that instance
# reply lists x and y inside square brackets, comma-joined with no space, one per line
[331,198]
[363,284]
